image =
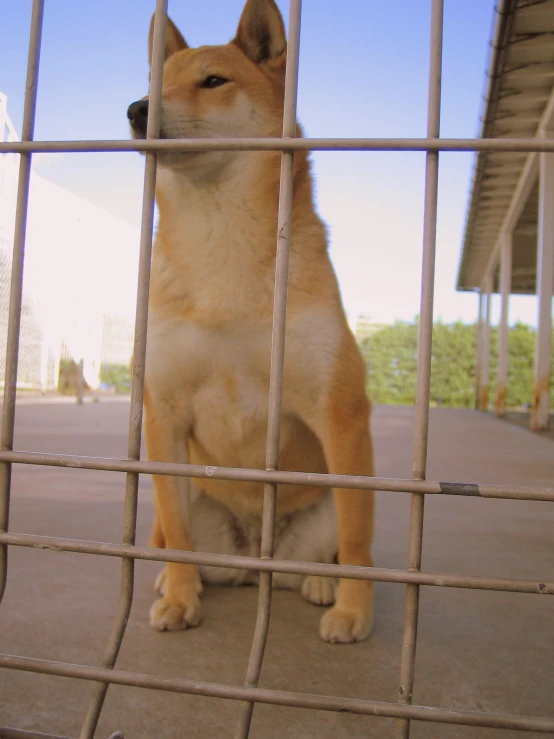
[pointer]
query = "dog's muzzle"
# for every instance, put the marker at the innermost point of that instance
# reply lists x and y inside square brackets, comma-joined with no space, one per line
[137,113]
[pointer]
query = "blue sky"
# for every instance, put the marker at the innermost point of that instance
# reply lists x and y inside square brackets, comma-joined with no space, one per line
[363,72]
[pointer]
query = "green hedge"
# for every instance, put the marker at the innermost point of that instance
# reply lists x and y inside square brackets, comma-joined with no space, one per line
[391,356]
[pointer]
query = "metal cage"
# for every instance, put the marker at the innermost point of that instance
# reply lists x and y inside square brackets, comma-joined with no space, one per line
[418,487]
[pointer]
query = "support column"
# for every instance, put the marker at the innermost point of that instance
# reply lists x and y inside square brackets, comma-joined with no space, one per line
[505,288]
[545,280]
[479,351]
[486,346]
[80,389]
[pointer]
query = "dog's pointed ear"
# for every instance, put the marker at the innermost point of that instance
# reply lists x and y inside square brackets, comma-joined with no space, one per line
[174,41]
[261,32]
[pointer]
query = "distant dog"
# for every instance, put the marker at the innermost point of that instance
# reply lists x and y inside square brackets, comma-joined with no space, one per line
[209,338]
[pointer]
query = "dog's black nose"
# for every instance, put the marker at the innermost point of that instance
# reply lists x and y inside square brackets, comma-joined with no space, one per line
[137,113]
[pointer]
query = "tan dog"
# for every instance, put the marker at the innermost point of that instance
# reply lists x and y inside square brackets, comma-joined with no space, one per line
[209,338]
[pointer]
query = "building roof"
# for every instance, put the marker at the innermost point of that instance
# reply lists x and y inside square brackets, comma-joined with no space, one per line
[518,103]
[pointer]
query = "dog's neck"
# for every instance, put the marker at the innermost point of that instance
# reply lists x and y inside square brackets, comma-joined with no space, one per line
[216,237]
[237,207]
[220,238]
[222,196]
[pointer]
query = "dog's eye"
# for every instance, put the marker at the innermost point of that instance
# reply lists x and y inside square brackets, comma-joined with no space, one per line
[213,81]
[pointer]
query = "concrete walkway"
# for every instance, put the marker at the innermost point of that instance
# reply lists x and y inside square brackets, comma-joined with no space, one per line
[477,650]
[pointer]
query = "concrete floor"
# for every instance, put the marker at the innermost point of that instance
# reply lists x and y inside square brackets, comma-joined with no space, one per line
[477,650]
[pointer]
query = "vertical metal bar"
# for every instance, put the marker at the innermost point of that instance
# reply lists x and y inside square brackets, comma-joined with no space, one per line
[80,386]
[421,424]
[16,290]
[505,287]
[486,346]
[479,351]
[137,382]
[545,278]
[277,363]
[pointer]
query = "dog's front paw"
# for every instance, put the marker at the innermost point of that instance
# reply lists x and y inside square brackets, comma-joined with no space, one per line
[340,626]
[179,607]
[319,590]
[173,615]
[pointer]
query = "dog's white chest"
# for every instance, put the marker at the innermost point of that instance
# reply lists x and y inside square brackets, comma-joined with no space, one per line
[217,381]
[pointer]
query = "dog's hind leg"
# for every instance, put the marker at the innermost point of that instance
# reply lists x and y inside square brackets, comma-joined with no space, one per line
[310,535]
[319,590]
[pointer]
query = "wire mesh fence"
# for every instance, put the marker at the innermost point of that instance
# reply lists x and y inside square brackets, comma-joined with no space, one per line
[37,365]
[417,487]
[68,314]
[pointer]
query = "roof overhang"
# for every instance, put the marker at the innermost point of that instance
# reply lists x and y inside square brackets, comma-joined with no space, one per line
[518,103]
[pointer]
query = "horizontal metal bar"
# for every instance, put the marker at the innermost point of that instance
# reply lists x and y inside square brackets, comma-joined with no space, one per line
[280,144]
[384,484]
[376,574]
[8,733]
[280,697]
